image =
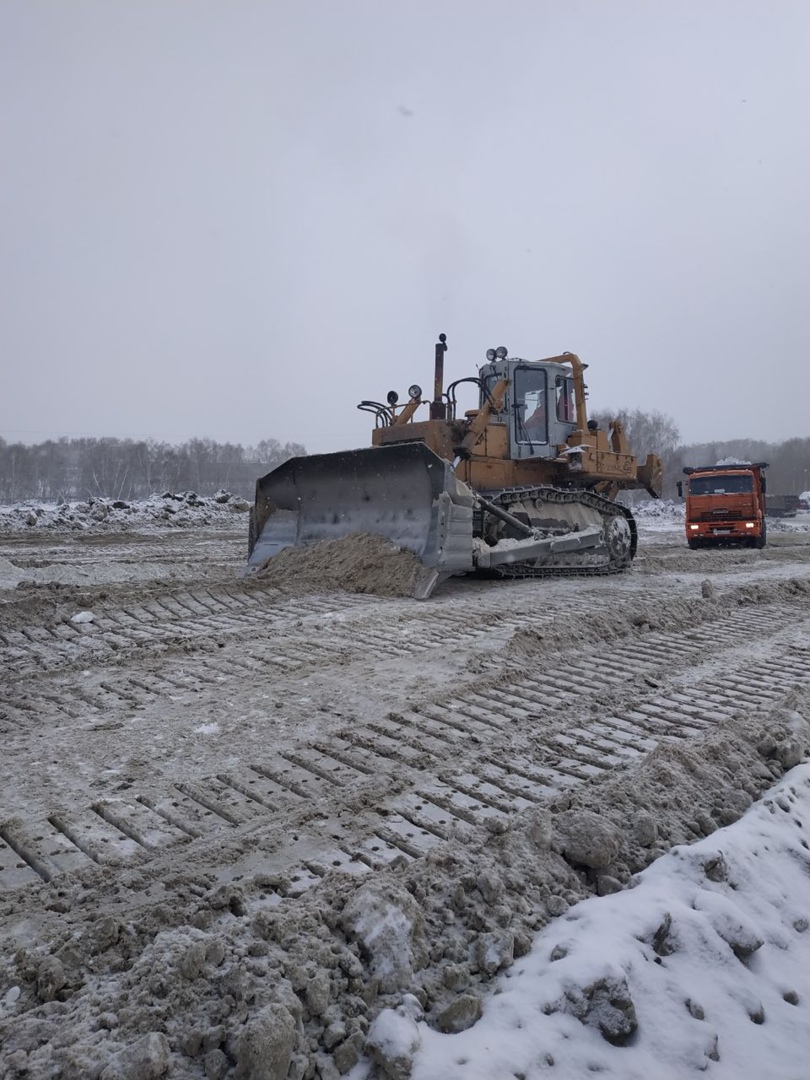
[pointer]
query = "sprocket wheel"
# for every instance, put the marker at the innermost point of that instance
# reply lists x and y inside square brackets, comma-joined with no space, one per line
[619,539]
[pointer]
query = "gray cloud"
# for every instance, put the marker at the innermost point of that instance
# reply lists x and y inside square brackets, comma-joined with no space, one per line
[238,219]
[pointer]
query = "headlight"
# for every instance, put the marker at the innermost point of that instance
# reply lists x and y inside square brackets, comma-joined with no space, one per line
[415,392]
[502,352]
[749,524]
[490,355]
[695,527]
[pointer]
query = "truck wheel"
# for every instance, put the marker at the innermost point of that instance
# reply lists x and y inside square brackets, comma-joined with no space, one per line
[694,544]
[762,539]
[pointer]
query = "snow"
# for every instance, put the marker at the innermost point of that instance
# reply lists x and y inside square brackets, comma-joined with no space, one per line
[117,515]
[706,953]
[726,989]
[207,729]
[82,617]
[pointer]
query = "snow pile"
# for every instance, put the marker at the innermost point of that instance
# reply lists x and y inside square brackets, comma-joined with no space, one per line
[654,510]
[659,516]
[704,964]
[798,524]
[117,515]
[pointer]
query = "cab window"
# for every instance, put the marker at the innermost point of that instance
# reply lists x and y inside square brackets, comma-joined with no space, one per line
[565,399]
[490,382]
[531,416]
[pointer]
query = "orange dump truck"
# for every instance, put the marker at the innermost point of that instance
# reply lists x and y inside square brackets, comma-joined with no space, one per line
[725,504]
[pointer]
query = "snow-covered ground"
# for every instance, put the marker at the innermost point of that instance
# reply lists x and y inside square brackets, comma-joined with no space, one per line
[260,829]
[187,508]
[702,965]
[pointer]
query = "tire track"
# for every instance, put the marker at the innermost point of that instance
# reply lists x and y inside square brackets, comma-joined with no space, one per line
[470,760]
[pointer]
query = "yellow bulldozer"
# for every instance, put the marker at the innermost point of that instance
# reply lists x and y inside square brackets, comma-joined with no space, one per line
[524,485]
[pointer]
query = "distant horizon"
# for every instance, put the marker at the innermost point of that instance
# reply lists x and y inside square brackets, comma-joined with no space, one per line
[180,440]
[240,218]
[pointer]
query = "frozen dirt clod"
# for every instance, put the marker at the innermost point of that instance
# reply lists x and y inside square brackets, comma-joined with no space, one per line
[587,839]
[392,1042]
[389,925]
[146,1059]
[460,1014]
[264,1047]
[606,1005]
[50,978]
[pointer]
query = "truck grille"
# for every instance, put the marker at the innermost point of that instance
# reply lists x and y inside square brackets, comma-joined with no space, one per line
[720,515]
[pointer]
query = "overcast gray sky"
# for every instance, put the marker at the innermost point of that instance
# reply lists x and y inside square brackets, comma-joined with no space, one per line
[237,218]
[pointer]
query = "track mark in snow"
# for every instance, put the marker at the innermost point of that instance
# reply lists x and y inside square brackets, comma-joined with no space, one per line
[139,823]
[14,869]
[290,778]
[98,840]
[220,799]
[433,750]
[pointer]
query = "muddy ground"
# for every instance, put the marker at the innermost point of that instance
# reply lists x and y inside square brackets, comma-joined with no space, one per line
[239,818]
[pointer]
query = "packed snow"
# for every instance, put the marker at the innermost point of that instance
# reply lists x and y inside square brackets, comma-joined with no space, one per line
[702,965]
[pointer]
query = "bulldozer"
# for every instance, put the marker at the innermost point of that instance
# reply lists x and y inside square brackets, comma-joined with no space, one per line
[523,486]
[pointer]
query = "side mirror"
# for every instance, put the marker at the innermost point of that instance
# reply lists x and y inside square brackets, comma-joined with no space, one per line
[679,486]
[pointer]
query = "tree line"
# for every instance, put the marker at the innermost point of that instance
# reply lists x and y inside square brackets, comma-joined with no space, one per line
[789,461]
[656,433]
[74,469]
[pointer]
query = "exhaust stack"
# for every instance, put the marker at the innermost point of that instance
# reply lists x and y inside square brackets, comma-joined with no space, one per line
[438,408]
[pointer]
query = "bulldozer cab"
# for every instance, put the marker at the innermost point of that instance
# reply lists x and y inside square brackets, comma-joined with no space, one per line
[538,407]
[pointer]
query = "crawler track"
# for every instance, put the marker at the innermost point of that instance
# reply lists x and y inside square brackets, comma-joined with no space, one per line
[539,504]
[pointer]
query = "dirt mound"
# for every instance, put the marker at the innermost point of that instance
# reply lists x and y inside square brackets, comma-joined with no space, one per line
[359,563]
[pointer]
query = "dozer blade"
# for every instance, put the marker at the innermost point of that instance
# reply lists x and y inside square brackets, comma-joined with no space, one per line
[404,492]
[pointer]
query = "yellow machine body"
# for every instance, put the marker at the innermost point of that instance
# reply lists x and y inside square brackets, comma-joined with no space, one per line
[523,485]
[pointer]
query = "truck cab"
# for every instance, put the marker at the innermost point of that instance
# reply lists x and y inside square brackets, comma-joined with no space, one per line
[725,504]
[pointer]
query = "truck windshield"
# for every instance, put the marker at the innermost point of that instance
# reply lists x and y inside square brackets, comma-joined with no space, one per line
[721,484]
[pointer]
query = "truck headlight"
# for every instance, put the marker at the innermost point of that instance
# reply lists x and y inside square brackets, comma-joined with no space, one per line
[695,527]
[749,525]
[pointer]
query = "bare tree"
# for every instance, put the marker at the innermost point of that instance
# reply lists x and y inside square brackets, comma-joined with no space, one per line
[127,469]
